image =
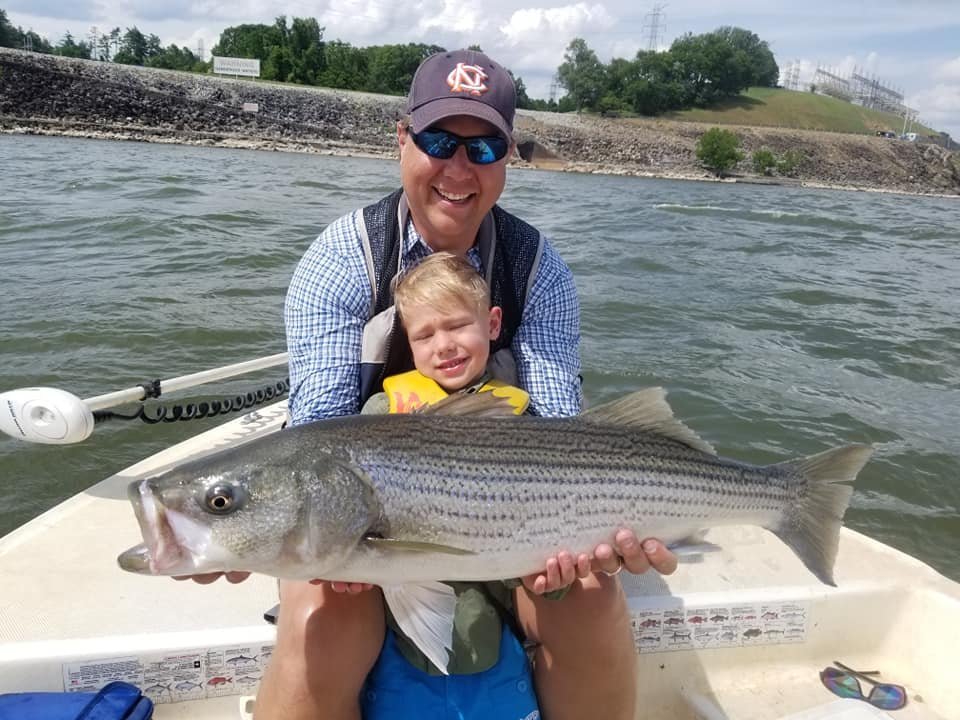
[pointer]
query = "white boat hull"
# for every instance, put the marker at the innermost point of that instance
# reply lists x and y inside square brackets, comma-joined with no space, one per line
[741,634]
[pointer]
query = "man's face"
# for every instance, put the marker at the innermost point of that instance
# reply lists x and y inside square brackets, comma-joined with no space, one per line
[449,198]
[451,345]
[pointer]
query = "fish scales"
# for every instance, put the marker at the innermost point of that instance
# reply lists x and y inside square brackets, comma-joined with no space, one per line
[494,497]
[457,492]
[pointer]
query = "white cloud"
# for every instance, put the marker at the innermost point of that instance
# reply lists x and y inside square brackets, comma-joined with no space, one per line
[939,107]
[530,26]
[949,70]
[454,17]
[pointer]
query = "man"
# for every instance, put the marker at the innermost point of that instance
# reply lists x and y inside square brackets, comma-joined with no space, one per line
[342,341]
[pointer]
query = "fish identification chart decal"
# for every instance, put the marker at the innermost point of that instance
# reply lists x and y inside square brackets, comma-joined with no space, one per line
[176,676]
[731,625]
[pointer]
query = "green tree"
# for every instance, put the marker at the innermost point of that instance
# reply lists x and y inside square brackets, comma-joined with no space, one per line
[35,42]
[719,150]
[788,163]
[68,47]
[763,70]
[305,43]
[9,36]
[176,58]
[581,74]
[344,66]
[278,65]
[134,48]
[709,67]
[251,41]
[390,68]
[523,100]
[764,161]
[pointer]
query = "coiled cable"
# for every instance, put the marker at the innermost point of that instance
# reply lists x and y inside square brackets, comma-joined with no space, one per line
[201,410]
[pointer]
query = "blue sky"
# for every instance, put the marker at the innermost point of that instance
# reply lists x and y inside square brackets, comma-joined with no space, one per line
[913,46]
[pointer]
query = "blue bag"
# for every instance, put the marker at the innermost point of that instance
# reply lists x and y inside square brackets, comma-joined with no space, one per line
[115,701]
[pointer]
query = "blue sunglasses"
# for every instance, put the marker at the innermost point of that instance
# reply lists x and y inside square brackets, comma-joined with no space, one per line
[442,145]
[843,682]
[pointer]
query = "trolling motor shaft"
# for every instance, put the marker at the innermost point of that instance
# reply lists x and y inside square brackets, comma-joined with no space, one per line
[56,417]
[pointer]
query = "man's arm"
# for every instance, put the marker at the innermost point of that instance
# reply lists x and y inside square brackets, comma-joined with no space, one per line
[546,346]
[326,307]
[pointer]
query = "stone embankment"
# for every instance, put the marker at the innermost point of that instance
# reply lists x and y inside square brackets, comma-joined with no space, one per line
[42,94]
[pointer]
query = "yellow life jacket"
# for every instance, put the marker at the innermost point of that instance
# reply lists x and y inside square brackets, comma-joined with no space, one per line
[411,390]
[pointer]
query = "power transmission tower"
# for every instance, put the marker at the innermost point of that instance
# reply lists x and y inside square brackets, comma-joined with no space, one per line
[28,40]
[200,51]
[94,54]
[652,26]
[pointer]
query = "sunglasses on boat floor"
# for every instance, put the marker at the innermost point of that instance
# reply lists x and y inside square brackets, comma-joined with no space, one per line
[842,681]
[442,145]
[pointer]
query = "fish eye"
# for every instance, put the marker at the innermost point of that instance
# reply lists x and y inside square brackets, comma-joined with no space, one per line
[223,499]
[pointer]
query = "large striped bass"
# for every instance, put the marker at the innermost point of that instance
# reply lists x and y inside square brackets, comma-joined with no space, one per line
[459,493]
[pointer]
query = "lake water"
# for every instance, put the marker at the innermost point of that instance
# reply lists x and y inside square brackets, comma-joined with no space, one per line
[782,321]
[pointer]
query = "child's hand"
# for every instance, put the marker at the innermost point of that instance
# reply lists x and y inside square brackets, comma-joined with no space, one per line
[562,571]
[345,587]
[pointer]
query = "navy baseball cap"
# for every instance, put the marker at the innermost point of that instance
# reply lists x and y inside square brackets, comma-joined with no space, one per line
[462,82]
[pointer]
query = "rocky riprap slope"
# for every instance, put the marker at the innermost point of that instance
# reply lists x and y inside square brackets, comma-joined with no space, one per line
[47,94]
[146,103]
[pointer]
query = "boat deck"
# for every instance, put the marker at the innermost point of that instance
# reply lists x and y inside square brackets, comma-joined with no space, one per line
[740,634]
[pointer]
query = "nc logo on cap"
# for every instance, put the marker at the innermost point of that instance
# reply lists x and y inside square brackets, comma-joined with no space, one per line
[467,78]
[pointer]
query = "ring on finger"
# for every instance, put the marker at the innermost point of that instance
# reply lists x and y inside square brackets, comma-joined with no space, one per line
[618,570]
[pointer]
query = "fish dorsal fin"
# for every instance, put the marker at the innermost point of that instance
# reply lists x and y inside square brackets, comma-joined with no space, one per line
[481,404]
[648,410]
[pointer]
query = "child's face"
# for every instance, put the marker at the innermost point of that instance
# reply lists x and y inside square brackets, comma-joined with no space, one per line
[451,346]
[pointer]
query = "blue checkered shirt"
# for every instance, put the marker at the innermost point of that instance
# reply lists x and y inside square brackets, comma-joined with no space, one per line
[330,300]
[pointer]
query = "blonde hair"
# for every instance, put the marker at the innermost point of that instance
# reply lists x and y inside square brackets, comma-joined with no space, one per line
[440,280]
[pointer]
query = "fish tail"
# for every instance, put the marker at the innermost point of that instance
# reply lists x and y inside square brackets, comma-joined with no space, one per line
[811,524]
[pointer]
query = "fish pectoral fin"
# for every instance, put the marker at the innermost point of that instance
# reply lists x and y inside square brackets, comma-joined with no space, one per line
[424,611]
[480,404]
[416,546]
[648,410]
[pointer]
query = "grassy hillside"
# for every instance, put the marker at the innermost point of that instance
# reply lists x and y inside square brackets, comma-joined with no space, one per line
[774,107]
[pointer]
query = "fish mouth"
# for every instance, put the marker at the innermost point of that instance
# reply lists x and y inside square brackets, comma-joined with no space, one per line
[136,560]
[162,552]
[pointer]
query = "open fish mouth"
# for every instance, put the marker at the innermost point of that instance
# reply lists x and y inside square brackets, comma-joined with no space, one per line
[162,553]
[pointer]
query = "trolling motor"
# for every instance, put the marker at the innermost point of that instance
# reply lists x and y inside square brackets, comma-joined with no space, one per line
[45,415]
[56,417]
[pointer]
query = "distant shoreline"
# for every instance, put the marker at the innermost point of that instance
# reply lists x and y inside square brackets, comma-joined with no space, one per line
[49,95]
[54,129]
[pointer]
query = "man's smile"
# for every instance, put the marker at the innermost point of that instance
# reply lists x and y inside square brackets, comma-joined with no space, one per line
[453,197]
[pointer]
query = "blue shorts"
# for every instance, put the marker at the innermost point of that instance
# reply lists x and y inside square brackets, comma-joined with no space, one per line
[396,690]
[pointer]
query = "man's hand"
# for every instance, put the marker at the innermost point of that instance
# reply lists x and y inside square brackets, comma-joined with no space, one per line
[236,577]
[635,556]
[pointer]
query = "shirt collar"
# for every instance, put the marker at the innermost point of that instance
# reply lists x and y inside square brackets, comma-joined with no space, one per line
[415,248]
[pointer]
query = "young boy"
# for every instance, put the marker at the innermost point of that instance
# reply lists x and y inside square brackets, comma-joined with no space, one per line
[444,306]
